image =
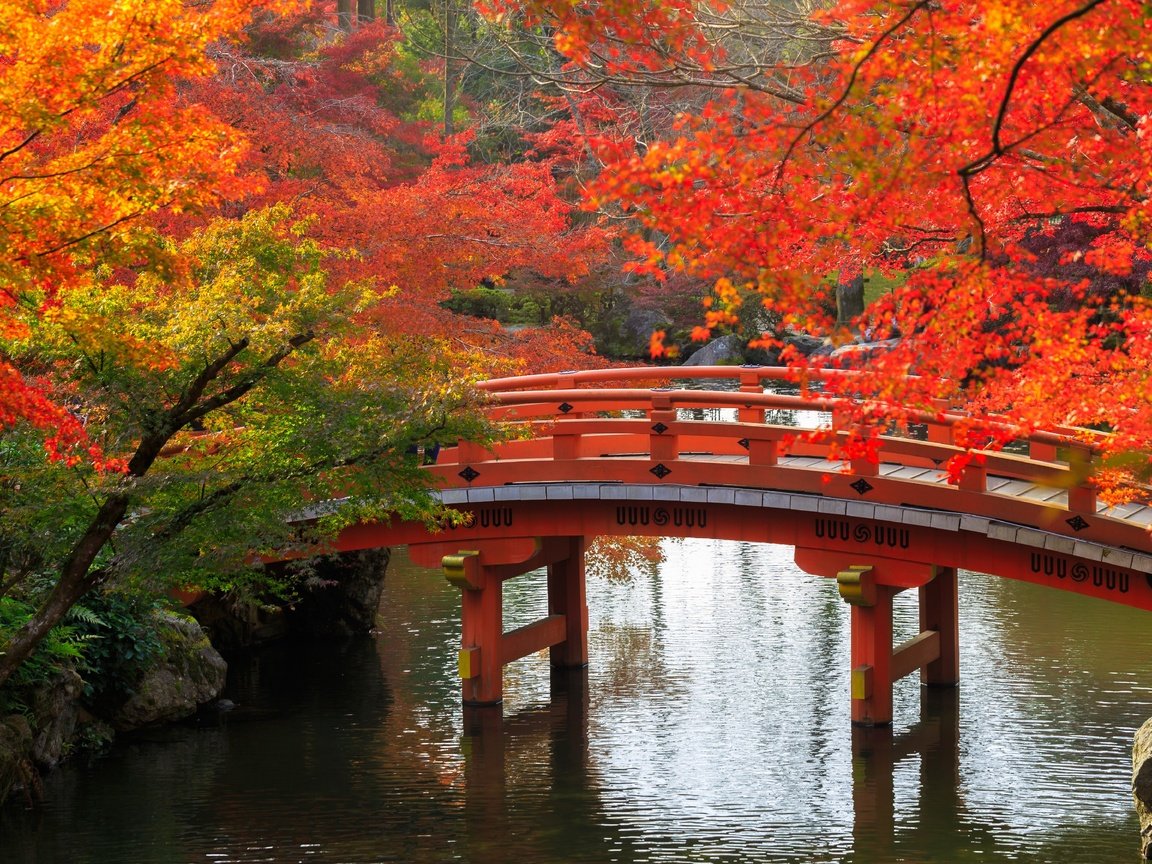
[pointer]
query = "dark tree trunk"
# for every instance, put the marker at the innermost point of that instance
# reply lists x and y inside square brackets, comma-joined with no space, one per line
[450,15]
[345,14]
[849,300]
[76,579]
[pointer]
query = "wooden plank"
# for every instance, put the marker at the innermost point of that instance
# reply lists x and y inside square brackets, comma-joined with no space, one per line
[532,638]
[916,652]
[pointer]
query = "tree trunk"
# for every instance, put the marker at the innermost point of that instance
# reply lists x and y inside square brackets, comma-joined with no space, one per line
[345,14]
[76,579]
[366,10]
[450,15]
[849,300]
[76,576]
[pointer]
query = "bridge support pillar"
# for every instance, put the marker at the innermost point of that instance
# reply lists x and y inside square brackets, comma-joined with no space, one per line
[481,627]
[567,596]
[485,647]
[939,612]
[872,659]
[876,664]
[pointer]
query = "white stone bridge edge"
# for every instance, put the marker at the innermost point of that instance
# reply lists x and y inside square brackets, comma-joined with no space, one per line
[940,520]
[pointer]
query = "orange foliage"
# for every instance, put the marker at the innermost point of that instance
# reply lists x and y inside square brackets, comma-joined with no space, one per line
[942,143]
[91,142]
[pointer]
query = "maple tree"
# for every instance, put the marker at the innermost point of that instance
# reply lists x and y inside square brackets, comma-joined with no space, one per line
[202,381]
[949,145]
[229,390]
[91,141]
[337,127]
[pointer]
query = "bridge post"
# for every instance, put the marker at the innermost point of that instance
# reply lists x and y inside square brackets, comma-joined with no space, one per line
[876,663]
[481,628]
[567,596]
[939,612]
[750,383]
[479,574]
[872,655]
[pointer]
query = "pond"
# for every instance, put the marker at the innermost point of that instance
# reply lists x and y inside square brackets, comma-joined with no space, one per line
[712,725]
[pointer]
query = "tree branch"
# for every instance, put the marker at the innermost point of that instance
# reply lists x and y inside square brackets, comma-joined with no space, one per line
[842,98]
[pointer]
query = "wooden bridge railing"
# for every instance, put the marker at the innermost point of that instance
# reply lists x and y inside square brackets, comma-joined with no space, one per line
[581,415]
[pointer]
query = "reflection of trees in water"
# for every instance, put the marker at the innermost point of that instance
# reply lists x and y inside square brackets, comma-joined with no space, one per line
[632,661]
[1078,633]
[890,826]
[533,792]
[619,559]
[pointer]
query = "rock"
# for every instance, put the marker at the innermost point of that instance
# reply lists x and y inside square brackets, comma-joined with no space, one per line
[234,625]
[723,351]
[761,356]
[637,329]
[15,754]
[1142,785]
[337,596]
[55,709]
[188,672]
[340,594]
[805,344]
[857,354]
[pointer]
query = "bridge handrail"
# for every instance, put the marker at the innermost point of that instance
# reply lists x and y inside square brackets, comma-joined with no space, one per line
[576,377]
[603,399]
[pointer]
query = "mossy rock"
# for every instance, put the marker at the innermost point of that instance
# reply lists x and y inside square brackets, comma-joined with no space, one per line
[1142,785]
[187,673]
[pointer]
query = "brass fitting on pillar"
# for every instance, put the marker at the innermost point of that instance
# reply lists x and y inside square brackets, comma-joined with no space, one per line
[463,570]
[857,585]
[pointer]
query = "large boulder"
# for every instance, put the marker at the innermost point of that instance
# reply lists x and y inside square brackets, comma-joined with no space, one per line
[722,351]
[1142,785]
[636,331]
[188,673]
[234,624]
[805,344]
[339,594]
[336,596]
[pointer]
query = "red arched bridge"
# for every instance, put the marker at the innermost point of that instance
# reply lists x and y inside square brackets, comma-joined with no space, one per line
[606,452]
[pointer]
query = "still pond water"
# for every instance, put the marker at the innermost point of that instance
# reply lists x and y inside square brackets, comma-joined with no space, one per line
[711,726]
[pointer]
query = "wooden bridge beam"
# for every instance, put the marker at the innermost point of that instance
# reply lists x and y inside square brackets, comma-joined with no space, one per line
[567,596]
[939,612]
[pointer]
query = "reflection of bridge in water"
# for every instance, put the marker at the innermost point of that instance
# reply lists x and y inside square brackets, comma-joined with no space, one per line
[495,746]
[600,457]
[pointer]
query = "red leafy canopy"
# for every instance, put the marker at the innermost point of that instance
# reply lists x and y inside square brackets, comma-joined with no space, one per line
[945,144]
[331,129]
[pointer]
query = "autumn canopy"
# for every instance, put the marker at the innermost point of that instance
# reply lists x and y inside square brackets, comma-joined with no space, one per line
[986,164]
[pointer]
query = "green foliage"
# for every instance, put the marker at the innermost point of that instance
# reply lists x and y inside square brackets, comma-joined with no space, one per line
[118,640]
[59,650]
[228,391]
[110,640]
[501,305]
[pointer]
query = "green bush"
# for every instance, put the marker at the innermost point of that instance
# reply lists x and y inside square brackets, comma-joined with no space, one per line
[501,305]
[119,642]
[60,649]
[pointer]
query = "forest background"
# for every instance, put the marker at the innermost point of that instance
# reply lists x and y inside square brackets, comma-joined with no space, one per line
[241,244]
